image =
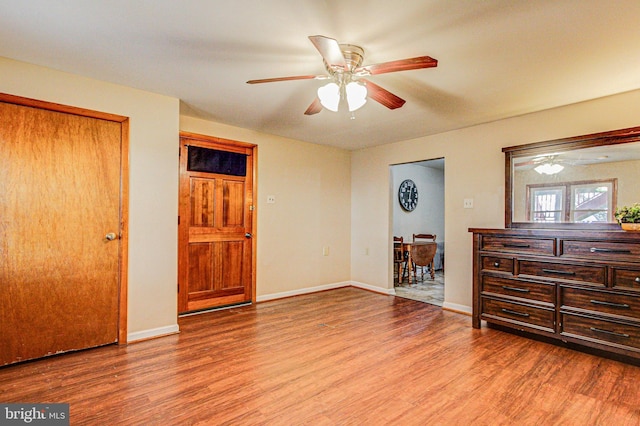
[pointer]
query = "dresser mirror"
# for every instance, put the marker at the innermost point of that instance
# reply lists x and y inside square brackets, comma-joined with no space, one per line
[574,183]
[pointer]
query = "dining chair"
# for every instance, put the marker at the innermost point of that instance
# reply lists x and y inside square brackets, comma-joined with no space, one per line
[398,257]
[427,237]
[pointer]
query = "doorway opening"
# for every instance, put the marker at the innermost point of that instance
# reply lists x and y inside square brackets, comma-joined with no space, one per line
[418,208]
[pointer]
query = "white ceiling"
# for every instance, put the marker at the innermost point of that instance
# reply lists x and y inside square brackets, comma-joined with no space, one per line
[497,58]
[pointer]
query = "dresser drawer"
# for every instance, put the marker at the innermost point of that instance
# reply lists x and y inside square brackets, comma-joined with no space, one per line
[601,302]
[537,292]
[563,271]
[600,250]
[542,246]
[624,336]
[627,279]
[517,313]
[499,264]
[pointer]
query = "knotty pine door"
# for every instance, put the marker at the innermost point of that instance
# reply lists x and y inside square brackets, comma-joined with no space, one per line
[60,229]
[216,265]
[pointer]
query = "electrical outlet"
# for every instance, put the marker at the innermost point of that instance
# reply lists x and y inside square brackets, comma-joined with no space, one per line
[271,199]
[468,203]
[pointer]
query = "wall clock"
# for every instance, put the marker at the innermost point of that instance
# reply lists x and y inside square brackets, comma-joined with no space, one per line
[408,195]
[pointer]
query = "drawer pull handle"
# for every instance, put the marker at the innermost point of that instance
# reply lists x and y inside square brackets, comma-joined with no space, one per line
[521,290]
[613,305]
[512,245]
[553,271]
[637,279]
[604,250]
[496,264]
[613,333]
[520,314]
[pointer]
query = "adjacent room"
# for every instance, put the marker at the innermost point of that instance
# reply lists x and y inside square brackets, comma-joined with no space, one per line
[200,201]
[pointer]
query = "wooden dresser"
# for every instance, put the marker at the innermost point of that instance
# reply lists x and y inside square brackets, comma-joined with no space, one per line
[581,287]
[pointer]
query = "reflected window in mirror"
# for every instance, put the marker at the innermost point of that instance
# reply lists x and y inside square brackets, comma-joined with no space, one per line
[579,202]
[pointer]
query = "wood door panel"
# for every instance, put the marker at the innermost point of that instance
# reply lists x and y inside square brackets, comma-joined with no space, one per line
[216,266]
[200,267]
[233,203]
[202,202]
[216,258]
[60,195]
[232,266]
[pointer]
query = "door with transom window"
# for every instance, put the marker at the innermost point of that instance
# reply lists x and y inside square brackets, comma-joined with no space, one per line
[216,223]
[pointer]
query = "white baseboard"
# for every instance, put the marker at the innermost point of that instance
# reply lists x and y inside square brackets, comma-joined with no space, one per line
[375,289]
[298,292]
[152,333]
[463,309]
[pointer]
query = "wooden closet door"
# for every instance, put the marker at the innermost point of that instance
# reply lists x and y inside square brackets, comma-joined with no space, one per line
[59,200]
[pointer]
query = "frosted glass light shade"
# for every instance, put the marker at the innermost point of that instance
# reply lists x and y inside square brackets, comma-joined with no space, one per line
[329,95]
[549,169]
[356,95]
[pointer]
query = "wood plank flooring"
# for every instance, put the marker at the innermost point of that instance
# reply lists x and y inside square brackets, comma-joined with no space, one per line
[341,357]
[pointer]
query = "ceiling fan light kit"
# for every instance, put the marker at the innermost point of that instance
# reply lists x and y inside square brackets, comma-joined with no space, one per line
[331,94]
[343,63]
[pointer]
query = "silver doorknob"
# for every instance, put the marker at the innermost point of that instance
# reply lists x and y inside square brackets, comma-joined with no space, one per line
[248,235]
[110,236]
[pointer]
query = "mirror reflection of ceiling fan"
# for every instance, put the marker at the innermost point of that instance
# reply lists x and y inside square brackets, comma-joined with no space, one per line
[550,164]
[346,75]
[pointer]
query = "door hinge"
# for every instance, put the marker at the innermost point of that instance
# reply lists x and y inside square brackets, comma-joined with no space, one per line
[178,220]
[178,287]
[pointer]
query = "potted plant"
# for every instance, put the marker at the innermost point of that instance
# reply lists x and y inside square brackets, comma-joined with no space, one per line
[629,217]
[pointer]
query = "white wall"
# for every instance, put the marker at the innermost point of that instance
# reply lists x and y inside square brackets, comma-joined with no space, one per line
[312,188]
[474,169]
[153,198]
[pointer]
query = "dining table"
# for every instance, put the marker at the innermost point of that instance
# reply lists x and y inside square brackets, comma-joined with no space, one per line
[406,249]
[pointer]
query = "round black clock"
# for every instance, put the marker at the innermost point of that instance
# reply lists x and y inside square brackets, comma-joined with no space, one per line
[408,195]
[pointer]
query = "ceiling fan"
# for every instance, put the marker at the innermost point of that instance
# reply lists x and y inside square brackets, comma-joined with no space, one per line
[553,163]
[347,76]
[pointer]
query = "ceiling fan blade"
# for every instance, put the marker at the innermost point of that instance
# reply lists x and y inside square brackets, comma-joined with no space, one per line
[399,65]
[314,108]
[383,96]
[330,50]
[295,77]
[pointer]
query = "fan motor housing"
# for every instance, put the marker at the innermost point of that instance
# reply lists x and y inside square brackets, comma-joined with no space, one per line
[353,56]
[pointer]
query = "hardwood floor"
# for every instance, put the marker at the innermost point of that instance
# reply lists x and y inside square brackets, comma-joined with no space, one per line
[340,357]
